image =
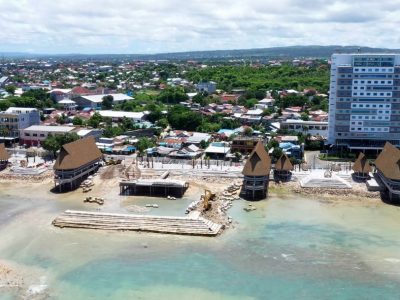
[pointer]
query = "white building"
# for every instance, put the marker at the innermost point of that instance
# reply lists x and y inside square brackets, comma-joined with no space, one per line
[116,116]
[95,101]
[364,102]
[36,134]
[67,105]
[306,127]
[207,86]
[265,103]
[16,118]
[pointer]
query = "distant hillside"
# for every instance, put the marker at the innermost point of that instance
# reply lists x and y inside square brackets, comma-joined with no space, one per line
[271,53]
[261,53]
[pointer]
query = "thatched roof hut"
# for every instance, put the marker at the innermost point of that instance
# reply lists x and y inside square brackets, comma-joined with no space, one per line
[284,164]
[258,163]
[362,165]
[4,156]
[388,162]
[77,154]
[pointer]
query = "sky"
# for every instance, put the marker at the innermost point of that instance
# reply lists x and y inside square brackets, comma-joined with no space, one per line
[157,26]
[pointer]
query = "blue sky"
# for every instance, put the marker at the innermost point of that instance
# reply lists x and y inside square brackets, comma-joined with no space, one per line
[154,26]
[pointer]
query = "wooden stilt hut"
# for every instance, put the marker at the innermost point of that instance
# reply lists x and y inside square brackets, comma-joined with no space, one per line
[283,168]
[388,170]
[256,174]
[75,162]
[362,167]
[4,157]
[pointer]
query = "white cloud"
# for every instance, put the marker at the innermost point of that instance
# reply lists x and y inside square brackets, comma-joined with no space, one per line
[137,26]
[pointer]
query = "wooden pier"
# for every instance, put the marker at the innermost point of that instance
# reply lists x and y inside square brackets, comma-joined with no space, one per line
[154,187]
[191,225]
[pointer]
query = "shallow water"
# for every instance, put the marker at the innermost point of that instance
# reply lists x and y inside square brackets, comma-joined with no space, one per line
[289,248]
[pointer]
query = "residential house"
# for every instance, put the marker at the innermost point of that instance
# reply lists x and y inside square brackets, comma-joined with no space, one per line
[243,144]
[217,150]
[252,116]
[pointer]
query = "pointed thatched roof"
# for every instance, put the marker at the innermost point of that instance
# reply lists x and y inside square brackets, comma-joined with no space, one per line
[76,154]
[259,162]
[362,165]
[388,162]
[283,164]
[4,156]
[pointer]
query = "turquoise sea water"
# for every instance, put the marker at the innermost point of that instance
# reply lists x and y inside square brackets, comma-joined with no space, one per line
[289,248]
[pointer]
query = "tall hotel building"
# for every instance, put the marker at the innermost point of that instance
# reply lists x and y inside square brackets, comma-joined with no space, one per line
[364,101]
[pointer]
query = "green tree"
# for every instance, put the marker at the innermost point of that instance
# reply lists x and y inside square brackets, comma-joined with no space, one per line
[10,89]
[276,154]
[144,143]
[162,123]
[304,116]
[107,102]
[51,144]
[62,119]
[248,131]
[95,120]
[172,96]
[272,144]
[77,121]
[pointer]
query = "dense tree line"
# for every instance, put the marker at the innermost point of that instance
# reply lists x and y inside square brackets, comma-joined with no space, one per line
[265,77]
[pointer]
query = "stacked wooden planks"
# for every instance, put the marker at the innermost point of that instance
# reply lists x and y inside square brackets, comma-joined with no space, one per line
[124,222]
